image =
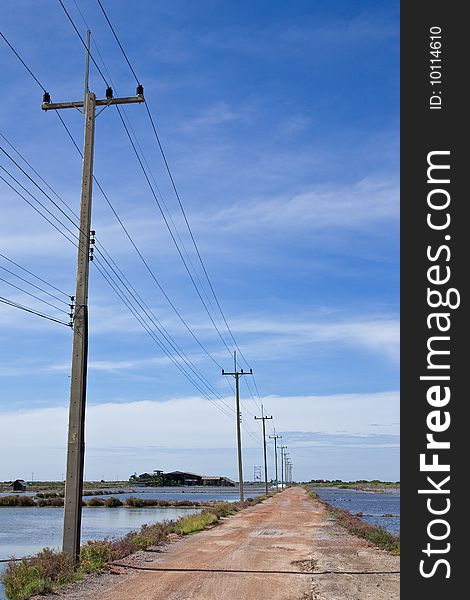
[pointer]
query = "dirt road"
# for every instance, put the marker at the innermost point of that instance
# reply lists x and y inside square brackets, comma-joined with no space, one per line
[283,549]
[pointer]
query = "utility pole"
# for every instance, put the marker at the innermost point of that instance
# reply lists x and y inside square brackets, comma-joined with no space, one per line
[286,465]
[237,374]
[275,438]
[76,433]
[282,448]
[263,418]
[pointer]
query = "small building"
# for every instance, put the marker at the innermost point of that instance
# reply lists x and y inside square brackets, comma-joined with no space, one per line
[182,478]
[19,485]
[217,480]
[148,478]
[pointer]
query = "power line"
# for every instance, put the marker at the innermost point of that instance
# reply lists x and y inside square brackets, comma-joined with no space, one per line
[104,248]
[36,209]
[31,273]
[32,295]
[176,192]
[23,63]
[119,43]
[157,341]
[163,332]
[31,310]
[170,230]
[152,190]
[84,43]
[33,284]
[49,212]
[36,173]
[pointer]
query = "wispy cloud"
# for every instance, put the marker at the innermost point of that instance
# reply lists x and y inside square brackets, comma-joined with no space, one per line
[354,206]
[160,428]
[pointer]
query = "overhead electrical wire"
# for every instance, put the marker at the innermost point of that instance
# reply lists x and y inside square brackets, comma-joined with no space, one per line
[63,123]
[31,310]
[33,295]
[178,197]
[34,275]
[156,323]
[34,285]
[146,175]
[161,331]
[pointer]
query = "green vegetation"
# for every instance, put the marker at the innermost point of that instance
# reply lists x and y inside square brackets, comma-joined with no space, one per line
[48,570]
[360,484]
[193,523]
[378,536]
[17,501]
[57,499]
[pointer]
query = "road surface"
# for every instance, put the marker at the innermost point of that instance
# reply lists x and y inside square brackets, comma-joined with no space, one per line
[286,548]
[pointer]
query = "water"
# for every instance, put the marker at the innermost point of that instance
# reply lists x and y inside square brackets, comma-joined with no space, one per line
[373,505]
[25,531]
[197,494]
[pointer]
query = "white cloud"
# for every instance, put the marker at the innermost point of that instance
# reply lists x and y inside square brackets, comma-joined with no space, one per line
[124,432]
[353,206]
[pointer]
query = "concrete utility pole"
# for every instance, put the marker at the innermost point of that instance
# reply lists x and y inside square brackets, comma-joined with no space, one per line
[263,418]
[286,464]
[237,374]
[275,438]
[76,434]
[282,449]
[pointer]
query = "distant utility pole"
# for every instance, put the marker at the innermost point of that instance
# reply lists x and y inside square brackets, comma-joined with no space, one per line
[282,449]
[286,463]
[275,438]
[256,473]
[76,434]
[263,418]
[237,374]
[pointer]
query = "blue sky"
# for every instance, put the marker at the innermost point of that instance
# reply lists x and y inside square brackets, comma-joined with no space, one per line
[280,124]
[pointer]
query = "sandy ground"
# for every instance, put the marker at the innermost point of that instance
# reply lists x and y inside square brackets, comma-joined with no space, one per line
[286,548]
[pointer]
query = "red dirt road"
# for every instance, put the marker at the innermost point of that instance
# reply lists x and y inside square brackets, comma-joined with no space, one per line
[279,549]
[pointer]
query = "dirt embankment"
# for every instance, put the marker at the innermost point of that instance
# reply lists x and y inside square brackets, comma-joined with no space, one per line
[286,548]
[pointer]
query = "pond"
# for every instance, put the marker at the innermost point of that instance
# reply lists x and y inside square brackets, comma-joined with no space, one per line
[376,507]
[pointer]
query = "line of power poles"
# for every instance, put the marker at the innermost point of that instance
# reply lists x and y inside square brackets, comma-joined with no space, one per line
[76,432]
[286,465]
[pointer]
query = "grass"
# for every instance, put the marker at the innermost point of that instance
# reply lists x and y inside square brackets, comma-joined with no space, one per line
[49,570]
[378,536]
[194,523]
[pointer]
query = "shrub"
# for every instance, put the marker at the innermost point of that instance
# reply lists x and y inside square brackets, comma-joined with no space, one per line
[112,502]
[135,502]
[45,572]
[9,501]
[95,502]
[95,555]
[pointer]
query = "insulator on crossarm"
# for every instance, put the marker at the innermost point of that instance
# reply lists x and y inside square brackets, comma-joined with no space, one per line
[109,93]
[46,98]
[140,90]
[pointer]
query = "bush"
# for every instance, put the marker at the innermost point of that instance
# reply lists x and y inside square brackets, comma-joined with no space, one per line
[95,555]
[8,500]
[57,502]
[46,572]
[135,502]
[112,502]
[95,502]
